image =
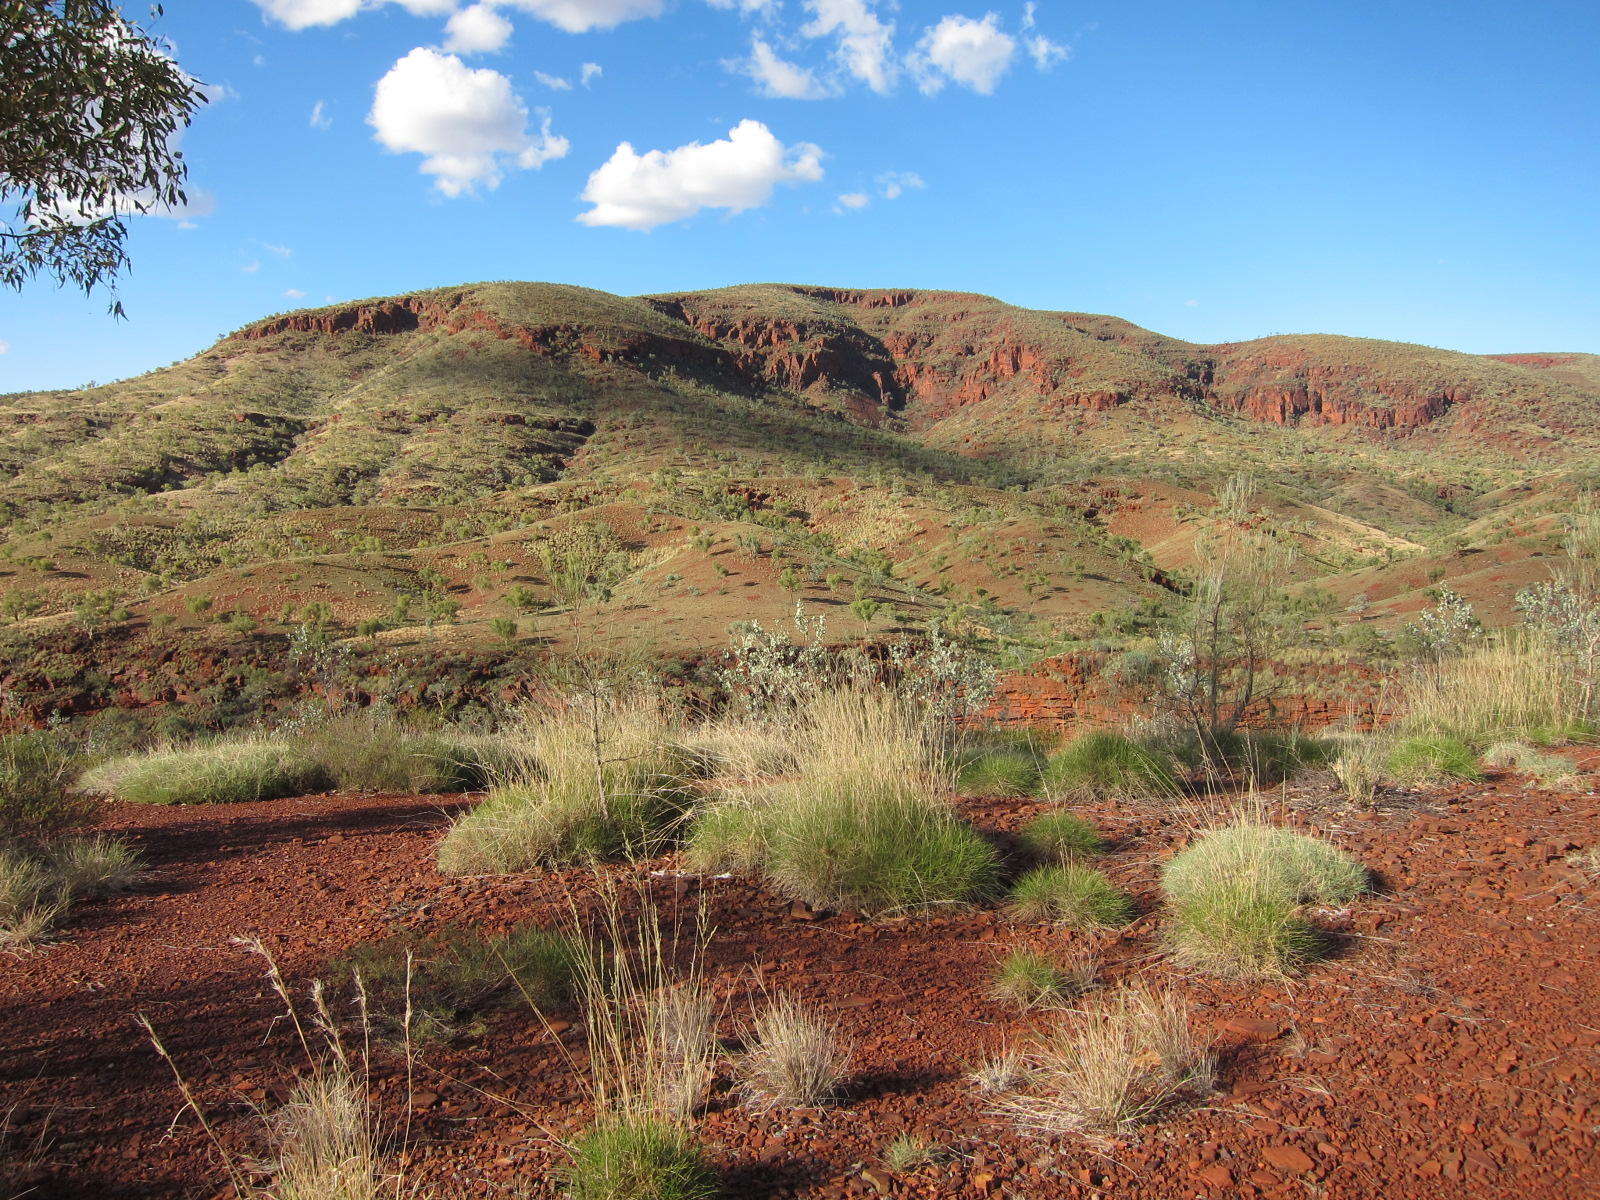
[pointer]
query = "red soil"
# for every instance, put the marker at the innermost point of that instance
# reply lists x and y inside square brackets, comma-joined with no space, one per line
[1451,1049]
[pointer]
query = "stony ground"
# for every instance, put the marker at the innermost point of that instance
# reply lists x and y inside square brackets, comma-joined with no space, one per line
[1450,1049]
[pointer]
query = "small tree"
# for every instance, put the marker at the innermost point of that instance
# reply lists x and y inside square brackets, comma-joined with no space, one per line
[1219,655]
[1447,628]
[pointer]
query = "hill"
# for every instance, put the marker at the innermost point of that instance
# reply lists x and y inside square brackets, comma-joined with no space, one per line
[403,476]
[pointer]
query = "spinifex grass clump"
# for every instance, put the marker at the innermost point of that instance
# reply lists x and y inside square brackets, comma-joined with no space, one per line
[604,781]
[450,976]
[1114,1065]
[374,752]
[1061,837]
[1001,771]
[38,888]
[635,1158]
[796,1057]
[863,823]
[1029,979]
[1431,759]
[1103,763]
[223,772]
[1070,896]
[1236,897]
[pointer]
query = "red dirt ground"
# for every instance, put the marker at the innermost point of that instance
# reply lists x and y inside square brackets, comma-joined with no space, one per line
[1451,1049]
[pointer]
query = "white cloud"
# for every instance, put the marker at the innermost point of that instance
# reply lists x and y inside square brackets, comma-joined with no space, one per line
[855,199]
[295,294]
[5,346]
[1191,304]
[319,117]
[251,268]
[958,49]
[590,71]
[778,78]
[280,251]
[466,121]
[865,44]
[748,7]
[477,29]
[579,16]
[1045,53]
[554,82]
[895,183]
[302,14]
[634,191]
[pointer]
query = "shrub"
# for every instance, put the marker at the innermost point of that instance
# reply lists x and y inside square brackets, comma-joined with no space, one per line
[796,1058]
[1113,1066]
[211,773]
[568,807]
[36,795]
[1421,760]
[1235,898]
[1061,837]
[1103,764]
[1003,773]
[456,975]
[638,1159]
[1072,896]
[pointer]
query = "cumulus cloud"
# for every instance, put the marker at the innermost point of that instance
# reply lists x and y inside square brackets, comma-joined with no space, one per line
[960,50]
[590,71]
[295,294]
[855,199]
[319,117]
[303,14]
[777,77]
[5,346]
[477,29]
[579,16]
[1045,53]
[642,191]
[466,121]
[554,82]
[865,45]
[895,183]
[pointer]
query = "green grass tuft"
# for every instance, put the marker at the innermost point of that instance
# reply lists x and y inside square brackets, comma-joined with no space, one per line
[1071,896]
[1431,759]
[1061,837]
[1004,772]
[1102,763]
[639,1159]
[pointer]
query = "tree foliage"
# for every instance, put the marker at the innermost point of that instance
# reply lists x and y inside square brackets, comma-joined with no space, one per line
[90,104]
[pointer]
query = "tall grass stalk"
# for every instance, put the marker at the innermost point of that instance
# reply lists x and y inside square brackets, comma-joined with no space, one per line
[1519,687]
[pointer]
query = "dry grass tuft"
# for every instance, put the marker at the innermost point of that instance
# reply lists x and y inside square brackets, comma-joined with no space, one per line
[1110,1067]
[327,1140]
[1521,688]
[797,1059]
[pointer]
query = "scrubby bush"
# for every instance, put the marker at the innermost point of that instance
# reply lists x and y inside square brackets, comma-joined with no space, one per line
[639,1159]
[1422,760]
[1071,896]
[36,796]
[600,785]
[453,975]
[224,772]
[1103,764]
[796,1058]
[1235,898]
[1061,837]
[1115,1065]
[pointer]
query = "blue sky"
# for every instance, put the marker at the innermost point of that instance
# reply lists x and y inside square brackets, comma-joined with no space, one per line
[1216,171]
